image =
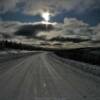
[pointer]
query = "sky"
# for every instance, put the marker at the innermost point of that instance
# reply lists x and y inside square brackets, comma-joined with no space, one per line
[76,19]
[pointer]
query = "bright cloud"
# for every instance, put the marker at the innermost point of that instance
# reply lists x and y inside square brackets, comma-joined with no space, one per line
[71,28]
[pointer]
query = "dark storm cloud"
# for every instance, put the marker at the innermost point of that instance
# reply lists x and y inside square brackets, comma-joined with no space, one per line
[66,39]
[31,30]
[14,30]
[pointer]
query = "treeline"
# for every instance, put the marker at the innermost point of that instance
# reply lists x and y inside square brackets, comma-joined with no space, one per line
[88,55]
[4,44]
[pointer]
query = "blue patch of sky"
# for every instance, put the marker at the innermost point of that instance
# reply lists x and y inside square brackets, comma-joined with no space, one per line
[18,16]
[91,17]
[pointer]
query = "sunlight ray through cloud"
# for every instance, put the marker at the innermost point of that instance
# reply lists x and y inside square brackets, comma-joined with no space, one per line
[46,16]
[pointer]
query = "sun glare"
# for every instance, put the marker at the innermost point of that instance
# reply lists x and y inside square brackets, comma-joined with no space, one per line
[46,16]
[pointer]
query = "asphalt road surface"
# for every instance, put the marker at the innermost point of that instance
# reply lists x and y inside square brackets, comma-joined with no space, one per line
[43,77]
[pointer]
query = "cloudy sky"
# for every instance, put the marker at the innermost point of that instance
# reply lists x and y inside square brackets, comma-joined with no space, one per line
[77,22]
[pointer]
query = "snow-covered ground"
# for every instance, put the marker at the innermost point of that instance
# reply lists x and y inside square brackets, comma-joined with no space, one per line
[7,55]
[92,69]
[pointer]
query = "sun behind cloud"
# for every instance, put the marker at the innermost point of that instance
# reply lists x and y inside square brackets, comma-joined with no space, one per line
[46,16]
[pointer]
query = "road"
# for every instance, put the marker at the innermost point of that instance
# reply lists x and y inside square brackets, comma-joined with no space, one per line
[43,77]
